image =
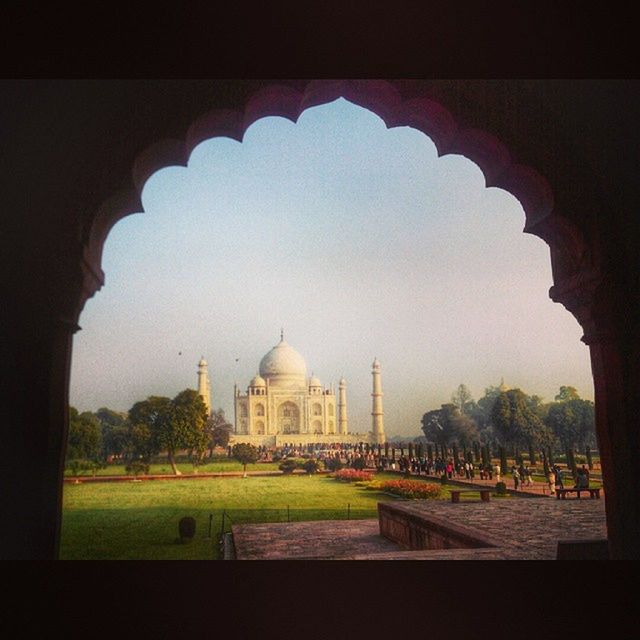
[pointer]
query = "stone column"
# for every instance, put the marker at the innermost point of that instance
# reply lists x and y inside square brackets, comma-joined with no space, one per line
[204,386]
[342,406]
[377,413]
[613,341]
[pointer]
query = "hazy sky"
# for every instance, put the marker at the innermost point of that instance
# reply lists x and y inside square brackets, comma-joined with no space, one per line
[356,239]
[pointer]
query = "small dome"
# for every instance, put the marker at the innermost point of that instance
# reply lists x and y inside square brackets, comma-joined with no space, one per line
[342,382]
[257,381]
[203,362]
[314,382]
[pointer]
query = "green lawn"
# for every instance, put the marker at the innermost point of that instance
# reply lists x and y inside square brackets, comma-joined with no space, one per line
[139,520]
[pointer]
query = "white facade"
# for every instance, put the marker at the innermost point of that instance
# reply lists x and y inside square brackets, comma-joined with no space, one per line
[281,405]
[204,385]
[281,400]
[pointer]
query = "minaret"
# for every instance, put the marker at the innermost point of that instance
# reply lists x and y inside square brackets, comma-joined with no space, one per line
[377,412]
[204,386]
[342,406]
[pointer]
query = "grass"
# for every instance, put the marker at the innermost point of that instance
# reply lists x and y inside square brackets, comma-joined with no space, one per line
[139,520]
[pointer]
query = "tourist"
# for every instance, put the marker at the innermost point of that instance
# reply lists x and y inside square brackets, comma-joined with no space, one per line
[516,477]
[449,470]
[498,472]
[582,480]
[489,470]
[551,479]
[586,473]
[558,472]
[527,476]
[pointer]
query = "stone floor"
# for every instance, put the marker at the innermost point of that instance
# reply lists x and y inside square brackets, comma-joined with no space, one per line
[524,529]
[320,540]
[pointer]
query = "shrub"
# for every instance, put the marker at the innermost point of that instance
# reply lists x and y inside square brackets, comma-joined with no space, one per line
[288,466]
[311,466]
[413,489]
[333,464]
[352,475]
[136,468]
[78,466]
[501,488]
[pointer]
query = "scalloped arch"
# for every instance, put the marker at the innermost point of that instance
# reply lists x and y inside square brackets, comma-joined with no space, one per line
[382,98]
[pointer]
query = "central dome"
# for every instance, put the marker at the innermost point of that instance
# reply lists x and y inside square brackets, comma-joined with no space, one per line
[284,366]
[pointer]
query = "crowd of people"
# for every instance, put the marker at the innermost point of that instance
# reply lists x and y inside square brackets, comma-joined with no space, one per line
[365,456]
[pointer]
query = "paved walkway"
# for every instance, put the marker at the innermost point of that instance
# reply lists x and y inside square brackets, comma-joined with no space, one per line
[535,489]
[184,476]
[521,530]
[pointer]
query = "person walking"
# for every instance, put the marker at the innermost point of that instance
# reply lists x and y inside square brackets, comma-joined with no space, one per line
[516,478]
[558,472]
[498,472]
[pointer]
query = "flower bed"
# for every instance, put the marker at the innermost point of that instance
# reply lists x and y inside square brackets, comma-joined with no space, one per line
[352,475]
[410,489]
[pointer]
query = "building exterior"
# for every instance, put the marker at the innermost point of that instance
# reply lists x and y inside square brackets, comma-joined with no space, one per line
[282,405]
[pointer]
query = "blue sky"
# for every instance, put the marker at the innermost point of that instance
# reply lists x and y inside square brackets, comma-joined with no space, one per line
[359,241]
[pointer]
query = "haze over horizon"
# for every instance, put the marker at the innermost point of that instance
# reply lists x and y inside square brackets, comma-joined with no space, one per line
[357,240]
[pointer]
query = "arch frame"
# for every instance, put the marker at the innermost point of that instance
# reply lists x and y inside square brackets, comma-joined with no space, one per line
[594,271]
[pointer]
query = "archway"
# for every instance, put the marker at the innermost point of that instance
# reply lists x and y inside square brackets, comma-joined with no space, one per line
[543,198]
[596,296]
[288,418]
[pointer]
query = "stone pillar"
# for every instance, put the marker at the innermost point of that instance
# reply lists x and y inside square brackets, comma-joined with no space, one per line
[377,413]
[612,337]
[342,407]
[204,386]
[38,323]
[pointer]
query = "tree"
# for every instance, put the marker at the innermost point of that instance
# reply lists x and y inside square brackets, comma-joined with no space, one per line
[147,420]
[218,430]
[462,398]
[245,454]
[447,424]
[84,439]
[573,422]
[516,423]
[480,412]
[185,427]
[538,406]
[159,423]
[567,393]
[433,427]
[141,443]
[115,432]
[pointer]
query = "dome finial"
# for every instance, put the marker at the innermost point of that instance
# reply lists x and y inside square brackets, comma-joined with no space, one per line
[281,334]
